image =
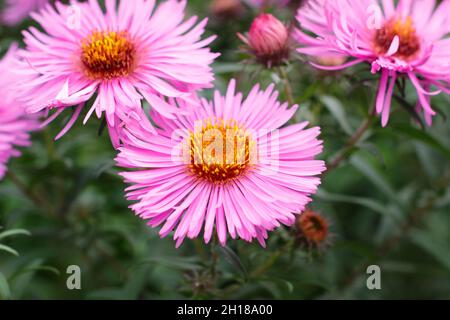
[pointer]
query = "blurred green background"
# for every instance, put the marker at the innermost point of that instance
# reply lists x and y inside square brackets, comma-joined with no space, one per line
[388,203]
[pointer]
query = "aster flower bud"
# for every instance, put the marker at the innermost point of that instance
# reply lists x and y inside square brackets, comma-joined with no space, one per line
[268,3]
[330,60]
[227,9]
[268,40]
[312,229]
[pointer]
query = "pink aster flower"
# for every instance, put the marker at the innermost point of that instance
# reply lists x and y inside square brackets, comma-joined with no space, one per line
[225,166]
[134,51]
[17,10]
[409,40]
[15,124]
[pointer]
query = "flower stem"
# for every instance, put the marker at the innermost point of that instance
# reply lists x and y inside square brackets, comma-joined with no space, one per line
[272,260]
[287,85]
[199,249]
[354,139]
[214,258]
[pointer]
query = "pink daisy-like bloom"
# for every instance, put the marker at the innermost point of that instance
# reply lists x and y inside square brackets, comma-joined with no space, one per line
[18,10]
[226,165]
[15,124]
[409,40]
[134,51]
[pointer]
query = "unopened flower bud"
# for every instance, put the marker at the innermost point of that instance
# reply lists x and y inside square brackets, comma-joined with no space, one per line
[227,9]
[268,3]
[313,229]
[268,40]
[330,60]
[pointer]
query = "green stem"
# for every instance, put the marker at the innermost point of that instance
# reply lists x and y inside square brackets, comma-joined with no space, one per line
[199,250]
[268,264]
[214,258]
[354,139]
[272,260]
[287,85]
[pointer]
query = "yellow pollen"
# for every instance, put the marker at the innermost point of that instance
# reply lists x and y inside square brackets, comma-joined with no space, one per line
[220,151]
[107,55]
[405,30]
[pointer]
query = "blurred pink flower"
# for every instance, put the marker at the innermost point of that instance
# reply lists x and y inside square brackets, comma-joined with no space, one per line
[225,164]
[135,51]
[408,40]
[16,11]
[268,40]
[15,124]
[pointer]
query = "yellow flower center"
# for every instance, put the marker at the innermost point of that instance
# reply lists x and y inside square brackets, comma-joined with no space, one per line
[403,28]
[107,55]
[220,151]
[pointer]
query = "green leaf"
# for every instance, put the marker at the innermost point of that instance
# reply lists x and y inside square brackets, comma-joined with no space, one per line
[105,167]
[289,285]
[424,137]
[234,260]
[14,232]
[428,160]
[337,110]
[365,202]
[8,249]
[399,266]
[380,181]
[21,279]
[310,91]
[33,267]
[5,292]
[437,249]
[135,283]
[174,262]
[374,151]
[273,288]
[41,268]
[224,68]
[410,109]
